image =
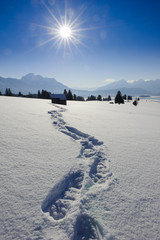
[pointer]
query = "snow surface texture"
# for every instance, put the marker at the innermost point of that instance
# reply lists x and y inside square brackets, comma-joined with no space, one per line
[131,209]
[70,195]
[33,157]
[55,179]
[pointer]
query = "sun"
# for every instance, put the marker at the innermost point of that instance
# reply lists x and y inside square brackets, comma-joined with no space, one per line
[65,32]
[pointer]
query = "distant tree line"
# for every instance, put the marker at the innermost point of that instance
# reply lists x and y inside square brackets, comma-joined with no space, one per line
[70,96]
[125,97]
[44,94]
[93,98]
[8,92]
[120,99]
[41,94]
[99,98]
[107,99]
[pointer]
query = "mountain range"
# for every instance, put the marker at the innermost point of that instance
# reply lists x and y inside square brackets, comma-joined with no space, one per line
[32,83]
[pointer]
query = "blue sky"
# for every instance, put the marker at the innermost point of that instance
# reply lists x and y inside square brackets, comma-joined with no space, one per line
[119,39]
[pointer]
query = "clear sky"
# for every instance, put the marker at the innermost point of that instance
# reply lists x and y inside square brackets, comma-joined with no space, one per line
[112,40]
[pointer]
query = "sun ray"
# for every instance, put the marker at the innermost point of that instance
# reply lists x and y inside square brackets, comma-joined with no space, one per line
[66,30]
[77,18]
[53,16]
[47,41]
[65,12]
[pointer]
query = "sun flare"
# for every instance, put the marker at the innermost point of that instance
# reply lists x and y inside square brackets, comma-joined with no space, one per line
[65,32]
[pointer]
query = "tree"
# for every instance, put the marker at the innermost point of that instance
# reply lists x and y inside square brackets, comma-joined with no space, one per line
[135,102]
[43,94]
[129,97]
[99,98]
[8,92]
[79,98]
[91,98]
[39,94]
[119,99]
[20,94]
[65,92]
[0,93]
[69,95]
[109,98]
[124,96]
[75,97]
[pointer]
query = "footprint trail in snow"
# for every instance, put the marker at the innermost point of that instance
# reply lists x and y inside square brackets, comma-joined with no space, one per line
[67,197]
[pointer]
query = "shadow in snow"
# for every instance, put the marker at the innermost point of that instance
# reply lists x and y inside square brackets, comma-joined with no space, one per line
[57,203]
[87,228]
[99,172]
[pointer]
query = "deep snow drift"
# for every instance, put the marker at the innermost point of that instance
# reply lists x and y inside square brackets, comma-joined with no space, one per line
[88,170]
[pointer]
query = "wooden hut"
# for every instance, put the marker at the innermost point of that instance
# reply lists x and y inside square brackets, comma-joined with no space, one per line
[59,99]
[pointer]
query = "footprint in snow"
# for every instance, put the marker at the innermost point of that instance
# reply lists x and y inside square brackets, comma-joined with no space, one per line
[59,200]
[90,148]
[87,228]
[62,197]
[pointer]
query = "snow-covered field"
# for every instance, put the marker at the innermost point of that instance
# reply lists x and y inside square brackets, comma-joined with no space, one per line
[88,170]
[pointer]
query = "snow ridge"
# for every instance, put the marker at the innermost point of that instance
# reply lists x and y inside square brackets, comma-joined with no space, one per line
[69,196]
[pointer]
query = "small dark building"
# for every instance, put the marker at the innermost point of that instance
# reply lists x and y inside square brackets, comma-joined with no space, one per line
[59,98]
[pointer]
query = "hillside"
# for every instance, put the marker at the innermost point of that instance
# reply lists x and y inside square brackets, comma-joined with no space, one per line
[32,83]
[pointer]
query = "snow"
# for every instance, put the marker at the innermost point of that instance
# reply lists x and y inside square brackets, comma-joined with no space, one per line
[88,170]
